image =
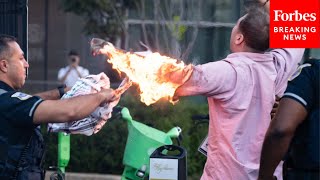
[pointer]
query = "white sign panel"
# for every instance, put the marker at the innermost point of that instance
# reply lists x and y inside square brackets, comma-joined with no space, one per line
[203,148]
[163,169]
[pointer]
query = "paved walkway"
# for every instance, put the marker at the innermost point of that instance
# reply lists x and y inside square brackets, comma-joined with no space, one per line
[86,176]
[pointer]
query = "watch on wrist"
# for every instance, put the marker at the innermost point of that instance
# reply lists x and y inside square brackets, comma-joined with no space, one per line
[61,90]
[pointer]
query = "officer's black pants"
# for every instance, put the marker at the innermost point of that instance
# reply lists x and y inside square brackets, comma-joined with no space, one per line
[301,175]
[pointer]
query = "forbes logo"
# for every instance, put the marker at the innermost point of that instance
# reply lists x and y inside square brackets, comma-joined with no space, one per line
[279,15]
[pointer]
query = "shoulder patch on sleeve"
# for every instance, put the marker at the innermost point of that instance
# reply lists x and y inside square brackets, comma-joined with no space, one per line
[21,96]
[298,71]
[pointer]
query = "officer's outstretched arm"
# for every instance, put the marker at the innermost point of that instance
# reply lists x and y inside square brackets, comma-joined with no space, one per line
[66,110]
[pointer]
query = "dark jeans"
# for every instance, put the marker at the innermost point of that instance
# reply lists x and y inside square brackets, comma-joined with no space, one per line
[34,173]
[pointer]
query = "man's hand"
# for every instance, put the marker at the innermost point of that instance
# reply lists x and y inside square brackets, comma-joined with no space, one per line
[265,3]
[176,76]
[73,65]
[109,95]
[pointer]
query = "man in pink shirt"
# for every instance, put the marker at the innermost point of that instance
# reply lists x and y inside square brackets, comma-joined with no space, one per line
[241,90]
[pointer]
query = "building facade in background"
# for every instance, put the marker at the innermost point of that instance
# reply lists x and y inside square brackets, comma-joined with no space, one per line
[196,31]
[52,33]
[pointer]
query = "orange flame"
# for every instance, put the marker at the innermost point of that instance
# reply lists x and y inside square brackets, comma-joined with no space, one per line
[148,72]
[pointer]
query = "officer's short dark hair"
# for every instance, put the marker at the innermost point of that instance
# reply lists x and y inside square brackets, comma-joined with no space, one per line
[5,51]
[73,53]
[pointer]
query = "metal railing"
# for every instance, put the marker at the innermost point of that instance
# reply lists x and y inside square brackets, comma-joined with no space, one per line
[35,86]
[14,21]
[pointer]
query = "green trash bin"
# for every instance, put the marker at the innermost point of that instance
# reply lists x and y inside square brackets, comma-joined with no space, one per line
[141,142]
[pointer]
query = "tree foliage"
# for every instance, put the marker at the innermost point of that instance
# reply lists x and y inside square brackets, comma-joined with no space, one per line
[174,25]
[167,32]
[103,18]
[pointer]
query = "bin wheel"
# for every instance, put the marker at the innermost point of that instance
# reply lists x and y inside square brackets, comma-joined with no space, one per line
[56,176]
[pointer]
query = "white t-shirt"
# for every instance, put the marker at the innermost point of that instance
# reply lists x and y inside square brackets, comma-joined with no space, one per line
[73,75]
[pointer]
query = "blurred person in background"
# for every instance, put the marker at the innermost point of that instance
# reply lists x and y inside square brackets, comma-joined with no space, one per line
[21,142]
[294,131]
[241,91]
[71,73]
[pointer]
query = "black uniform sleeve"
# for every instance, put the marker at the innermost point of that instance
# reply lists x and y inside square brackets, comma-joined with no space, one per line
[302,88]
[21,107]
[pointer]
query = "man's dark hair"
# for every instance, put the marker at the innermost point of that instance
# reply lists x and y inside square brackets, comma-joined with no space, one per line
[73,53]
[255,28]
[5,51]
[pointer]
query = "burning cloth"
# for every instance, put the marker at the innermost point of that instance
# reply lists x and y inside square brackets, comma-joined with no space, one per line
[157,76]
[94,122]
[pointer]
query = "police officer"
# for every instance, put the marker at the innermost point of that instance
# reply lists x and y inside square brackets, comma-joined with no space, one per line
[295,129]
[21,143]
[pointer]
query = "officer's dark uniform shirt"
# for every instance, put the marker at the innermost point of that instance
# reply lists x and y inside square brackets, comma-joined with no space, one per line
[16,128]
[304,148]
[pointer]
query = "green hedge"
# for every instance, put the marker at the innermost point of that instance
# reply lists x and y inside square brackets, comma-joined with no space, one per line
[103,152]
